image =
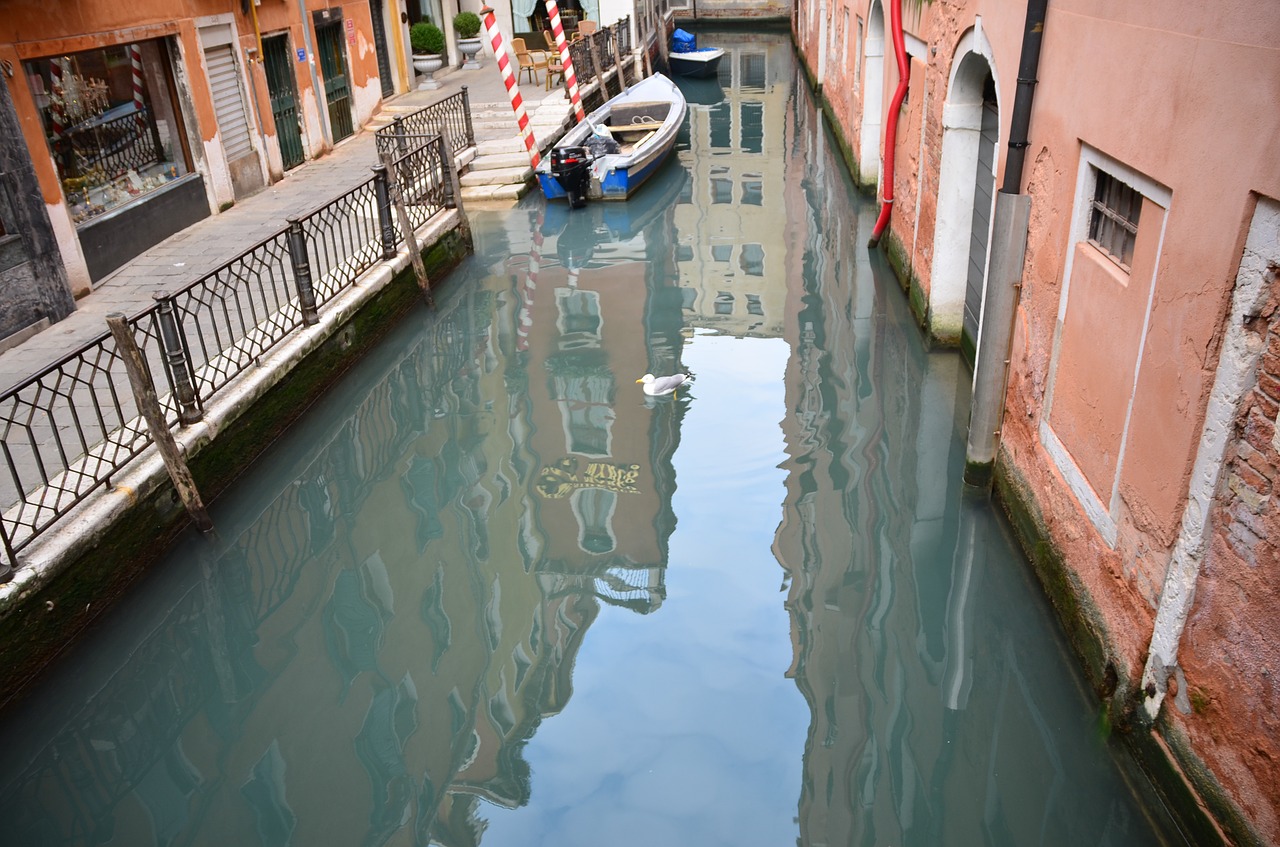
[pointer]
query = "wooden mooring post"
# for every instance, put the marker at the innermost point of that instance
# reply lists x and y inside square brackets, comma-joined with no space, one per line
[406,228]
[144,392]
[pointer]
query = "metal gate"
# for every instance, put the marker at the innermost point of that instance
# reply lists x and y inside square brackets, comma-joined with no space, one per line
[337,90]
[984,184]
[284,99]
[380,48]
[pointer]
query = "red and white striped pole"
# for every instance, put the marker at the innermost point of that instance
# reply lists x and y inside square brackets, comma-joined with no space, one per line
[562,46]
[135,59]
[494,35]
[524,319]
[57,104]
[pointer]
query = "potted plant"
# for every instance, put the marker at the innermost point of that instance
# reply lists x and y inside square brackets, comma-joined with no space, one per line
[467,26]
[427,42]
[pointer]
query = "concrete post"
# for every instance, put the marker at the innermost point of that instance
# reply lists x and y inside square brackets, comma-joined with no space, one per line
[995,334]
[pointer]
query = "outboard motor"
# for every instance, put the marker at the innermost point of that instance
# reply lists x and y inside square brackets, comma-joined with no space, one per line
[571,167]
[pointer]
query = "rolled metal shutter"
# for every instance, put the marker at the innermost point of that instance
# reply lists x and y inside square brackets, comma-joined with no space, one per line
[228,102]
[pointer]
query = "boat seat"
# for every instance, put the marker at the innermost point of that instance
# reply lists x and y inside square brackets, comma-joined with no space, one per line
[648,126]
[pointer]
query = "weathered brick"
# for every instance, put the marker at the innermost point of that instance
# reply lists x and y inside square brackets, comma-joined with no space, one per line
[1251,477]
[1263,463]
[1258,430]
[1270,364]
[1269,407]
[1269,385]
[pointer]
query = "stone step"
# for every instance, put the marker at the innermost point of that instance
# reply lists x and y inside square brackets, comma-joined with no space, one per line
[483,193]
[499,146]
[502,160]
[496,176]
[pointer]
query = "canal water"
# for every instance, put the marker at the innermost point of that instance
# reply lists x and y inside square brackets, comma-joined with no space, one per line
[489,592]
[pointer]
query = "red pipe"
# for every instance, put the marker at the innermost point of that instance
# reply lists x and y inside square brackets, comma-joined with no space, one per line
[891,127]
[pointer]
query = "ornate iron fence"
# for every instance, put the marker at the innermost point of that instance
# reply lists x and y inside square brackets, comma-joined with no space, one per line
[67,430]
[451,117]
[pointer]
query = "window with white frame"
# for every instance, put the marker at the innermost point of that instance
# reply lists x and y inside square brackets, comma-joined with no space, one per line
[1113,219]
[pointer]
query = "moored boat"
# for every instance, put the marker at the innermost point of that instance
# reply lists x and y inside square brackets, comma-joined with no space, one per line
[618,147]
[697,63]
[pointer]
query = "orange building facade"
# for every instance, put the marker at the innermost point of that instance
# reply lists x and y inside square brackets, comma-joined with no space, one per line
[141,119]
[1137,451]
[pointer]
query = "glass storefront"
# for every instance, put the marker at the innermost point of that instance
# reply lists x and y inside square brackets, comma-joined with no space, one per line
[111,124]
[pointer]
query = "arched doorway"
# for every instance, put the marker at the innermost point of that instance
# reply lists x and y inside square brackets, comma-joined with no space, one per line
[966,193]
[872,98]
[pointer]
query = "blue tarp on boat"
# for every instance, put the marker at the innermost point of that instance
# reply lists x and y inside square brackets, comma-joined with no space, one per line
[683,42]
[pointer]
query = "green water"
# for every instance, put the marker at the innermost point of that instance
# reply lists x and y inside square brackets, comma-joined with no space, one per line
[488,592]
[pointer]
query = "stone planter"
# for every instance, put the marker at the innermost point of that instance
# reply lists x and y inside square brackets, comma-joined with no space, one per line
[470,49]
[428,64]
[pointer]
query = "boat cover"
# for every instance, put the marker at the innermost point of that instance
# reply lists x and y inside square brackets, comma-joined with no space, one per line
[683,42]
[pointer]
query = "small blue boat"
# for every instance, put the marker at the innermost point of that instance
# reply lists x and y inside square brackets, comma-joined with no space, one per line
[618,147]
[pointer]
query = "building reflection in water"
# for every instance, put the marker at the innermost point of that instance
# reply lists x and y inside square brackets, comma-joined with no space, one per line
[933,720]
[399,592]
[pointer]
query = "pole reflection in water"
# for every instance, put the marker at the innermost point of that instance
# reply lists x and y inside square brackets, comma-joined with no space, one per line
[453,607]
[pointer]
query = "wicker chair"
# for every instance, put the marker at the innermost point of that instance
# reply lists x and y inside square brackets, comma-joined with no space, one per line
[528,61]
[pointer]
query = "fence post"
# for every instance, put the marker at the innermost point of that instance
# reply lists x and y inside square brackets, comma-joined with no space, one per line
[466,114]
[455,189]
[595,62]
[616,41]
[173,347]
[144,392]
[398,129]
[297,240]
[385,225]
[411,237]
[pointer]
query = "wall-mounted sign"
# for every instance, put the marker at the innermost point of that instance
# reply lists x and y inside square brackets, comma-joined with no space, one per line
[302,55]
[351,30]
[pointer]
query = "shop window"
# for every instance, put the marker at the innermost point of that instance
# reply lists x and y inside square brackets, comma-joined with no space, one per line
[111,124]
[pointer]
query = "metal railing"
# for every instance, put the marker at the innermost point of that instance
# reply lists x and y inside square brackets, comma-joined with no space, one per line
[451,117]
[67,430]
[113,147]
[593,55]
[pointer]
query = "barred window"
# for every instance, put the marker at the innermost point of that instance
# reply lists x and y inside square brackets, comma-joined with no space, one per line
[1113,221]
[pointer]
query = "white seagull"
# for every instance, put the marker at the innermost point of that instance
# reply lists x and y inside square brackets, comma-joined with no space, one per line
[656,386]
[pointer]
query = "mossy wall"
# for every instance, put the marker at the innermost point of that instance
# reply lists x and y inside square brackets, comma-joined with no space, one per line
[52,618]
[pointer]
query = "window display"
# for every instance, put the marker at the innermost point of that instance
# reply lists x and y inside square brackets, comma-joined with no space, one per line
[110,123]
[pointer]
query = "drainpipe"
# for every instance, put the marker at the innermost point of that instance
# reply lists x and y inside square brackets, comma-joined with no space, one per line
[1004,271]
[315,78]
[891,125]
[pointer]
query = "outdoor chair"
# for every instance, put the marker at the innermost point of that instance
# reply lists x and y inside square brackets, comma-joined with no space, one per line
[555,68]
[528,61]
[550,40]
[587,27]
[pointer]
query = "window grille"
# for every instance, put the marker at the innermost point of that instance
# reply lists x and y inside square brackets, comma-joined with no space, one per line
[1113,221]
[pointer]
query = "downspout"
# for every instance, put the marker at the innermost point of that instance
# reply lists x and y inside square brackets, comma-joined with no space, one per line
[891,125]
[1004,271]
